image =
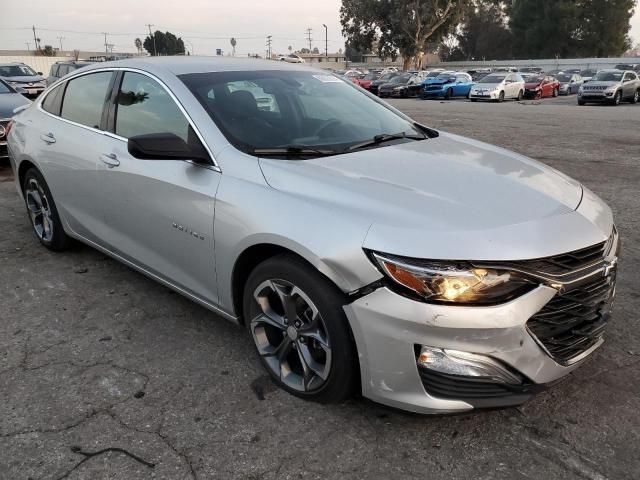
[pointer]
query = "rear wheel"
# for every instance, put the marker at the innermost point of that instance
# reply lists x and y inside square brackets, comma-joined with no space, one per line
[43,212]
[448,94]
[636,97]
[298,326]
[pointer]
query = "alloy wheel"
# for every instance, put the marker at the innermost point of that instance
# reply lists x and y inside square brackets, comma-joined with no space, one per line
[39,210]
[636,97]
[291,336]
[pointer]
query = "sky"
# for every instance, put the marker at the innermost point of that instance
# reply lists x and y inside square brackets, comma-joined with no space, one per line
[205,25]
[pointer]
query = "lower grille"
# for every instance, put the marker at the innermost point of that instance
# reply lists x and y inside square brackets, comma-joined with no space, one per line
[573,322]
[480,393]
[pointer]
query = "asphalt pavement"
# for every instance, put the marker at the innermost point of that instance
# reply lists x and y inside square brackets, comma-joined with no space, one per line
[106,374]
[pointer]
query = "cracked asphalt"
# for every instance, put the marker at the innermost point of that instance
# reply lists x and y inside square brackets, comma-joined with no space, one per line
[105,374]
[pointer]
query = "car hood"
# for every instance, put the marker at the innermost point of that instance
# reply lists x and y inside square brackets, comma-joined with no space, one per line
[438,188]
[10,101]
[601,84]
[486,86]
[26,79]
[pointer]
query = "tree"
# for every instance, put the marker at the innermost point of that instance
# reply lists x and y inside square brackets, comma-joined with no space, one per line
[405,26]
[48,51]
[138,43]
[315,51]
[233,46]
[484,33]
[290,48]
[165,43]
[570,28]
[352,54]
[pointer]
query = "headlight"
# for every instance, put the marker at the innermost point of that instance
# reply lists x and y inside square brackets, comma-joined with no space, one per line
[399,88]
[452,282]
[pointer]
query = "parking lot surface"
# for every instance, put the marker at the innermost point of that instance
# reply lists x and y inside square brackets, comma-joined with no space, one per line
[106,374]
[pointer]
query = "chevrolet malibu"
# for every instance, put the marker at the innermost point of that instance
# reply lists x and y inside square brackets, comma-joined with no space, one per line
[425,270]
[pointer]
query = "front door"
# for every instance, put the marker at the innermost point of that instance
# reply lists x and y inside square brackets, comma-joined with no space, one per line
[158,214]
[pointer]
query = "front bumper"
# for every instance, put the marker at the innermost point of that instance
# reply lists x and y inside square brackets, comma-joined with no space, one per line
[523,336]
[597,97]
[493,95]
[532,93]
[433,93]
[32,90]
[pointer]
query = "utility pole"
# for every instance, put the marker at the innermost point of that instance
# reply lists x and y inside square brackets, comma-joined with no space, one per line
[61,38]
[269,46]
[34,37]
[28,48]
[105,42]
[326,40]
[309,37]
[155,51]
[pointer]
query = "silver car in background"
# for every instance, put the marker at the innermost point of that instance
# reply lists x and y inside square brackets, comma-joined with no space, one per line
[611,86]
[498,87]
[427,271]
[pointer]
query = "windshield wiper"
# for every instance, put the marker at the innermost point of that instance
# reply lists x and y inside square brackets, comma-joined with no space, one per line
[293,150]
[379,139]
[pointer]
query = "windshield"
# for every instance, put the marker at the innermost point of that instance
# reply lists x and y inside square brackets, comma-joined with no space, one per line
[563,78]
[588,73]
[401,79]
[493,79]
[444,77]
[370,76]
[624,66]
[16,71]
[433,74]
[276,109]
[535,79]
[4,88]
[608,76]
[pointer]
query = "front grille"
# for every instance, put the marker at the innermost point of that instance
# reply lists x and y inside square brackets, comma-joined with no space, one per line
[569,262]
[573,322]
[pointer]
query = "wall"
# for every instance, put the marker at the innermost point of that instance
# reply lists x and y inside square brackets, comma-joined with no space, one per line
[548,64]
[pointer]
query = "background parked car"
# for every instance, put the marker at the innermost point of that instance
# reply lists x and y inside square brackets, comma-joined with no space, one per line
[23,76]
[292,58]
[448,86]
[479,73]
[611,86]
[385,78]
[10,99]
[588,74]
[365,82]
[541,86]
[60,69]
[569,83]
[403,85]
[498,87]
[531,70]
[634,67]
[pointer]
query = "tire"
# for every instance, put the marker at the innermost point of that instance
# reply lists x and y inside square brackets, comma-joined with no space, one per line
[581,103]
[448,94]
[474,100]
[284,336]
[617,98]
[636,97]
[501,97]
[520,95]
[555,93]
[43,213]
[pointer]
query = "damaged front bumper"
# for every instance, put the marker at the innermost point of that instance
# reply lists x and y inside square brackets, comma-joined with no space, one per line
[390,332]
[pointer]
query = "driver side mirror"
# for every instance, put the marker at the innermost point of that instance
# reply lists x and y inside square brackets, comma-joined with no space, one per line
[165,146]
[39,73]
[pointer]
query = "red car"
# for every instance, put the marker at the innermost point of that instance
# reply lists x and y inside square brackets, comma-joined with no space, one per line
[540,86]
[365,82]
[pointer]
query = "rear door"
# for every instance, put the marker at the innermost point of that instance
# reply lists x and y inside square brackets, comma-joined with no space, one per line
[158,213]
[629,85]
[69,138]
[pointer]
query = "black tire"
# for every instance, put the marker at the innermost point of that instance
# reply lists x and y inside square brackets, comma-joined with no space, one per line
[448,94]
[501,97]
[555,92]
[56,240]
[520,95]
[344,374]
[581,102]
[617,98]
[474,100]
[636,97]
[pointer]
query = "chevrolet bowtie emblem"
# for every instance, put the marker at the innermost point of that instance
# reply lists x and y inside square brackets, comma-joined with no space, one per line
[610,266]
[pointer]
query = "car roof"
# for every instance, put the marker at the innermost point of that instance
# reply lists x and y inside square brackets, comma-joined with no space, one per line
[180,65]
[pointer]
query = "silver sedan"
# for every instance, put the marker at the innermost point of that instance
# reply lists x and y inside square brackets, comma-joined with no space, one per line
[362,251]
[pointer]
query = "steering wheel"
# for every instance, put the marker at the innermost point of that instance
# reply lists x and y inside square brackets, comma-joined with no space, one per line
[326,124]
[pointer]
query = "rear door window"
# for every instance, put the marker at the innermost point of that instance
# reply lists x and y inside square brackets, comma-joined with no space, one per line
[84,98]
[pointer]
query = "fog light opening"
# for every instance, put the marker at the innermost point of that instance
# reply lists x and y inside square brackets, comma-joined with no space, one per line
[466,364]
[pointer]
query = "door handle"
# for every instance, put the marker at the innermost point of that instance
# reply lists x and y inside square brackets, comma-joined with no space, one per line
[48,138]
[110,159]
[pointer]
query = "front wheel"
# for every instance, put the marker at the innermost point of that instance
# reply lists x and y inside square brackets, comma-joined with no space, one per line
[520,95]
[43,212]
[636,97]
[297,323]
[501,97]
[556,92]
[617,99]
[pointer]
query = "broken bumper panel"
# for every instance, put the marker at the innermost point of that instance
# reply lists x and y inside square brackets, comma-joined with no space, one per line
[390,330]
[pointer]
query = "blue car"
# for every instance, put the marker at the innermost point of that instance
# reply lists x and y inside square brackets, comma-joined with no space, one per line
[448,85]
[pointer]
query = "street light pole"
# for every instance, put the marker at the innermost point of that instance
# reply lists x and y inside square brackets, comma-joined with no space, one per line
[326,40]
[155,51]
